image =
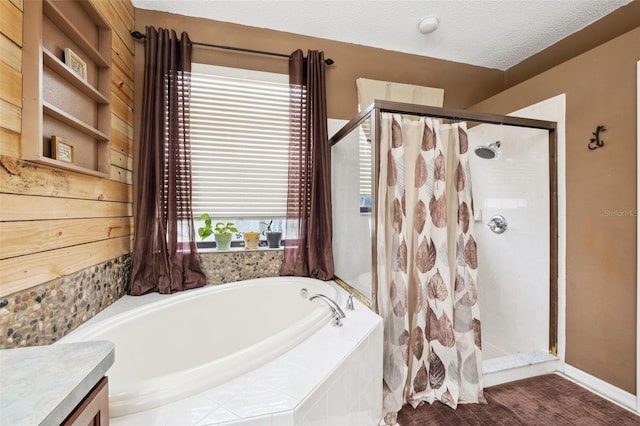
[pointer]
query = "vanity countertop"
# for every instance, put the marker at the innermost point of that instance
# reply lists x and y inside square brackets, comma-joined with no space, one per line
[43,384]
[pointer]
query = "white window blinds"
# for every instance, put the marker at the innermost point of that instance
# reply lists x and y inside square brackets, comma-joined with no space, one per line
[239,142]
[365,160]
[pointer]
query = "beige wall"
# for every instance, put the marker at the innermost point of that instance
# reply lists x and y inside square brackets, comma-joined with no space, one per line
[464,84]
[615,24]
[54,222]
[601,201]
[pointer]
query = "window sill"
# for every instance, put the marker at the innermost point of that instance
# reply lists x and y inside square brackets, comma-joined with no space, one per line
[236,249]
[236,245]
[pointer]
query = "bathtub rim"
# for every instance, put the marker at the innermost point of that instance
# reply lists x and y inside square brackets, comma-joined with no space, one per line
[127,398]
[84,331]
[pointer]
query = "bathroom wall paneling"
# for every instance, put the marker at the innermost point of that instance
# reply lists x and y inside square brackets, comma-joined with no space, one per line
[25,178]
[122,83]
[15,235]
[121,110]
[122,135]
[53,221]
[11,21]
[11,83]
[11,54]
[10,116]
[51,264]
[10,145]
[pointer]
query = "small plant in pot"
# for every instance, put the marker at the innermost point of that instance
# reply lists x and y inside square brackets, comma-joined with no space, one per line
[222,232]
[251,239]
[273,237]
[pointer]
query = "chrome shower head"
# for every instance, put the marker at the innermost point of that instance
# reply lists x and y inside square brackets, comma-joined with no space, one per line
[488,152]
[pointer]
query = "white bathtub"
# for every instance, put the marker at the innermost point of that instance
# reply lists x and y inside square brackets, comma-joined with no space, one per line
[185,343]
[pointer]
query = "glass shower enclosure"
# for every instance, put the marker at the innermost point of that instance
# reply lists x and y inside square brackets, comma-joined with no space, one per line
[514,180]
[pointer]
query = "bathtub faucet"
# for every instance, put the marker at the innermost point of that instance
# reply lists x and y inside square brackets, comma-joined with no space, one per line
[336,312]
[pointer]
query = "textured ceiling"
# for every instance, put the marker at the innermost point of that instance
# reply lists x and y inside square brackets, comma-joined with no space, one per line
[489,33]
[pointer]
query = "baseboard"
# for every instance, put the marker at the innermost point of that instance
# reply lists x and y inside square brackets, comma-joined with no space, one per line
[607,390]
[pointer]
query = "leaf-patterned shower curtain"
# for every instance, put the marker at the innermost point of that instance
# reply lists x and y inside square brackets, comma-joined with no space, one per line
[427,265]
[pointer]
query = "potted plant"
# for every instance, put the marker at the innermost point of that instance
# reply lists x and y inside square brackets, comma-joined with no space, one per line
[222,232]
[273,237]
[251,239]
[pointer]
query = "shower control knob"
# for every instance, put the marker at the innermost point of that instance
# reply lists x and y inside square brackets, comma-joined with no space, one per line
[498,224]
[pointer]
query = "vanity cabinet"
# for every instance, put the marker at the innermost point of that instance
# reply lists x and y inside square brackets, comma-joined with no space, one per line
[94,408]
[67,86]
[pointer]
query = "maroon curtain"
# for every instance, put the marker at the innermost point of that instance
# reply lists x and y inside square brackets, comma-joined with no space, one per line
[165,258]
[309,251]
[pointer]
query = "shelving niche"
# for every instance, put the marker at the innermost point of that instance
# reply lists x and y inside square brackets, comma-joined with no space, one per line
[57,100]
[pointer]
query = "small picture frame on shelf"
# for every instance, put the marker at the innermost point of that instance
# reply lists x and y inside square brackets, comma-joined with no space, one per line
[63,150]
[73,61]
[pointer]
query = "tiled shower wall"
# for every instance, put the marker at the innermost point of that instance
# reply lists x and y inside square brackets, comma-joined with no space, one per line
[514,267]
[43,314]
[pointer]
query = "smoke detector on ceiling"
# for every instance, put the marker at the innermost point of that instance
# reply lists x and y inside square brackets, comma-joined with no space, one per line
[428,24]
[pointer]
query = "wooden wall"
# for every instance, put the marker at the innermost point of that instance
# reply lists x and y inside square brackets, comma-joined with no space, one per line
[54,222]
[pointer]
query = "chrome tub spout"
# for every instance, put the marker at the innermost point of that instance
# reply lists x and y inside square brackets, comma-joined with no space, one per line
[336,311]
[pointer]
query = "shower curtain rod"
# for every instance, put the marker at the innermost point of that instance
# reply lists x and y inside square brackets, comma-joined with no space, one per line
[139,36]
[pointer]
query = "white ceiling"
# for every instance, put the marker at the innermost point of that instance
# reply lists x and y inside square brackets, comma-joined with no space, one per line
[489,33]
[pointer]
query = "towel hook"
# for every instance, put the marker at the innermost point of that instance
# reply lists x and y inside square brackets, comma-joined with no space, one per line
[596,142]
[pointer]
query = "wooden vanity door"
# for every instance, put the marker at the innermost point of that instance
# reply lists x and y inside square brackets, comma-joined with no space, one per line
[94,408]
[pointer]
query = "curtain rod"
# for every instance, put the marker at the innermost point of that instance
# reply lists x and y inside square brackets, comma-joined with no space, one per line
[139,36]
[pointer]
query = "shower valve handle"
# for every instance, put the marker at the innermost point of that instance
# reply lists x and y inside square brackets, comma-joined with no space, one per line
[498,224]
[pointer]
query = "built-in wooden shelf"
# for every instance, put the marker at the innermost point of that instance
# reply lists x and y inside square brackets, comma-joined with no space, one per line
[74,108]
[52,11]
[69,166]
[70,120]
[65,72]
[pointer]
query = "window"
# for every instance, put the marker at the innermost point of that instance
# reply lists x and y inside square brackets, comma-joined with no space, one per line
[365,162]
[240,145]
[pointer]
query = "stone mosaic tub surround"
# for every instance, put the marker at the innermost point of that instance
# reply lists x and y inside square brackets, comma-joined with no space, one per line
[43,314]
[233,265]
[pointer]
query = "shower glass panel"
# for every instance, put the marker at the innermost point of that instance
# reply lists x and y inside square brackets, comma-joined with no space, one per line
[351,177]
[514,183]
[513,259]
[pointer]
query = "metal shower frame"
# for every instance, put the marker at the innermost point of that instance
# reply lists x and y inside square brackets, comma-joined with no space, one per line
[375,110]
